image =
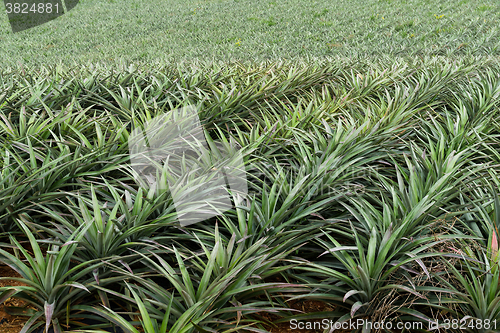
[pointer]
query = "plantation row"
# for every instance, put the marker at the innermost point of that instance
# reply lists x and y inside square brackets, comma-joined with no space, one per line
[372,188]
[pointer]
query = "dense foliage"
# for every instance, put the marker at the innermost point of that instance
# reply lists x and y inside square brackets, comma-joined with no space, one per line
[373,187]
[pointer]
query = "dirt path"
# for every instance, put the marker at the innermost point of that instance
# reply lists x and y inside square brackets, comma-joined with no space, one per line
[8,323]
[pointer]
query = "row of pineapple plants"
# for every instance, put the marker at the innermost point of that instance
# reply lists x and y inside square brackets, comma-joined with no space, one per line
[372,187]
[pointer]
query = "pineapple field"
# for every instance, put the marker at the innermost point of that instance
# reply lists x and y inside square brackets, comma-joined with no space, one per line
[277,173]
[171,31]
[372,194]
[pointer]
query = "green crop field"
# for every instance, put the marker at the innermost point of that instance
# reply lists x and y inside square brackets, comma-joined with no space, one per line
[171,30]
[251,166]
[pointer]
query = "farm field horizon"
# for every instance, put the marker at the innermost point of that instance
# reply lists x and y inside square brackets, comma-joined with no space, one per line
[153,31]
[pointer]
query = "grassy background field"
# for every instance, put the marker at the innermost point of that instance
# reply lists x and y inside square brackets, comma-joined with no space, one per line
[172,30]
